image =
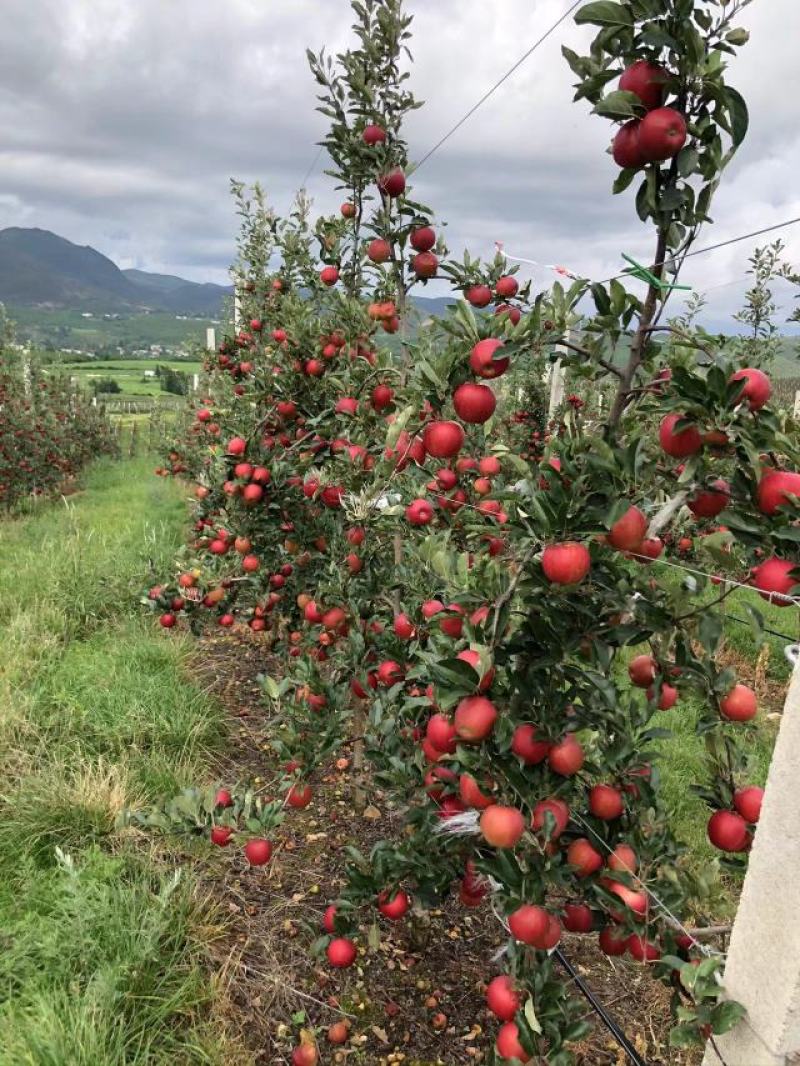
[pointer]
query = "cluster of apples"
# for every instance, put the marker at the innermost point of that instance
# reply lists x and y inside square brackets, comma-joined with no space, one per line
[661,133]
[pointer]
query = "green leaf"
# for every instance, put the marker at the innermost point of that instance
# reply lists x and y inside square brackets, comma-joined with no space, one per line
[726,1015]
[739,115]
[624,178]
[604,13]
[618,104]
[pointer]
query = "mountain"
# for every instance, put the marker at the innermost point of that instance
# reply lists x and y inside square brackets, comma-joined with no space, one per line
[40,269]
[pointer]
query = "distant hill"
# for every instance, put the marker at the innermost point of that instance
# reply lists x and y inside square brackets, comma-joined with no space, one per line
[40,269]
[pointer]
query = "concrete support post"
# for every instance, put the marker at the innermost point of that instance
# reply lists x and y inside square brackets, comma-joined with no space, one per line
[556,378]
[237,311]
[211,339]
[763,966]
[797,404]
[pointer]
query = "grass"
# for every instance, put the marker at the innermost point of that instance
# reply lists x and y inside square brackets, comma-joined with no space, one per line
[683,755]
[128,374]
[103,946]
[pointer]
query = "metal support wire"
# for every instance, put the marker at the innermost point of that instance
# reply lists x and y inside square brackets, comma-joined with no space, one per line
[600,1011]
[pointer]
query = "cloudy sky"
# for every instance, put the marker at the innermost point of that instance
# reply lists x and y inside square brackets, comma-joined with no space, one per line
[124,119]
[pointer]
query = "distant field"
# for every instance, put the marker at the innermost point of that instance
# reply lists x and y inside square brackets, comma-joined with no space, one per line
[128,373]
[68,329]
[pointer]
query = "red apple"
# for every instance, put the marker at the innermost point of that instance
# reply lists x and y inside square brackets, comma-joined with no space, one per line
[739,705]
[773,580]
[341,953]
[625,149]
[502,998]
[443,440]
[747,802]
[566,757]
[662,134]
[757,387]
[483,359]
[474,403]
[606,802]
[423,239]
[682,442]
[474,719]
[628,532]
[728,831]
[566,563]
[776,488]
[501,826]
[709,502]
[527,747]
[647,81]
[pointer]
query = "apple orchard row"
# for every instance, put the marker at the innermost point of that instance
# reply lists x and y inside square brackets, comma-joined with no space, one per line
[466,594]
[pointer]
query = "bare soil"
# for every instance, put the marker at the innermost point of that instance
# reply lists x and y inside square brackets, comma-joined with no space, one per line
[417,998]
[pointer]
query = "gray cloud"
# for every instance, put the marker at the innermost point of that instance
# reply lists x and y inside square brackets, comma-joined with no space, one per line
[123,123]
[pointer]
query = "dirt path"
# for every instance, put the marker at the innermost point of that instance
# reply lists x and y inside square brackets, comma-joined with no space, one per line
[414,997]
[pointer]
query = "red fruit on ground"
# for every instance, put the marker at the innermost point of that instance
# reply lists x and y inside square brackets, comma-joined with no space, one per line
[305,1055]
[223,798]
[299,796]
[341,953]
[328,918]
[258,851]
[221,835]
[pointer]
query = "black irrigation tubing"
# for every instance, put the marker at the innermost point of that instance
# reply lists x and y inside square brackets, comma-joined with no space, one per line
[600,1011]
[765,629]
